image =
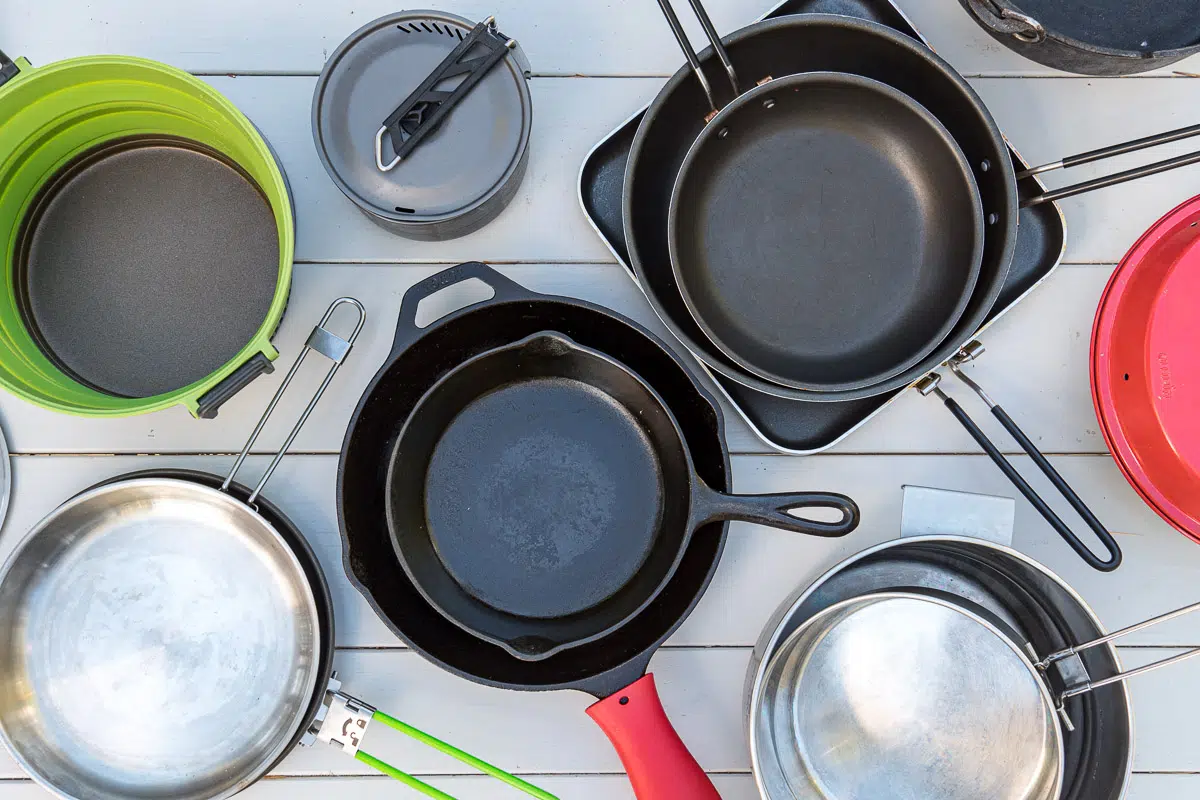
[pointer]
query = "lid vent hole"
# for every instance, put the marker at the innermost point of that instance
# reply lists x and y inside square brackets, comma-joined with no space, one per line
[405,210]
[428,29]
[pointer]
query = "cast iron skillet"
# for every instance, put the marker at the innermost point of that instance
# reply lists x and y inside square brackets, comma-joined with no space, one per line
[606,667]
[541,494]
[825,228]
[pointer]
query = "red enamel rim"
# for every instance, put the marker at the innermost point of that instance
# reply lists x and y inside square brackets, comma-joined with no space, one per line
[1145,367]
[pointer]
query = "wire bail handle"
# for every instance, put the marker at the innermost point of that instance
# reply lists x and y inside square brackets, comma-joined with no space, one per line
[327,344]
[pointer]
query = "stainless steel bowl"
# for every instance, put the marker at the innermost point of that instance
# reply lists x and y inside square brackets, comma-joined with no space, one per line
[160,640]
[904,696]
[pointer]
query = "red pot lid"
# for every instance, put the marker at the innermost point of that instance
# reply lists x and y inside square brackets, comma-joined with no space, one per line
[1146,367]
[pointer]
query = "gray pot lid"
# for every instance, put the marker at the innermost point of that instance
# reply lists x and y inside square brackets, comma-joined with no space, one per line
[469,159]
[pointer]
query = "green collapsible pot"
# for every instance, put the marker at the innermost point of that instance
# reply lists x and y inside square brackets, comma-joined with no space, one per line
[55,117]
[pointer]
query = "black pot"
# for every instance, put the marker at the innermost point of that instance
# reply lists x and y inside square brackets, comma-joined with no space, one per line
[1093,37]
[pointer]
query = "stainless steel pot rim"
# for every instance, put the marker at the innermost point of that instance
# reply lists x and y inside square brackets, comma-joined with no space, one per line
[303,605]
[1039,755]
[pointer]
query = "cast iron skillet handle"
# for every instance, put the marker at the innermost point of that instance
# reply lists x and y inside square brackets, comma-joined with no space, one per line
[1008,21]
[930,386]
[709,505]
[505,290]
[658,762]
[1117,178]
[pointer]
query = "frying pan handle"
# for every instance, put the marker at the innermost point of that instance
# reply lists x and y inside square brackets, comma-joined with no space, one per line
[709,505]
[1115,179]
[690,54]
[1007,21]
[658,762]
[930,386]
[505,290]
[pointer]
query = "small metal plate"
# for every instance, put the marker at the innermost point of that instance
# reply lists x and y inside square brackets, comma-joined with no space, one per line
[942,512]
[160,640]
[902,696]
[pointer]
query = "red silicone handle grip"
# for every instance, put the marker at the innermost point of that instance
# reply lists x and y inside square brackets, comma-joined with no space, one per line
[659,764]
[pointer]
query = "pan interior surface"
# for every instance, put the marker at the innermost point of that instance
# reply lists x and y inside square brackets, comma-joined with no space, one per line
[907,697]
[160,641]
[543,497]
[146,264]
[827,231]
[1120,24]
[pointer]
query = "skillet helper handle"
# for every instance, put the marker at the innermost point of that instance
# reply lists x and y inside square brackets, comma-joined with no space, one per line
[929,386]
[658,762]
[1088,686]
[1103,153]
[345,722]
[505,290]
[331,346]
[772,510]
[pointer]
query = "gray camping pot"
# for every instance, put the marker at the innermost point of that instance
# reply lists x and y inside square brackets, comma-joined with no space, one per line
[1093,37]
[423,120]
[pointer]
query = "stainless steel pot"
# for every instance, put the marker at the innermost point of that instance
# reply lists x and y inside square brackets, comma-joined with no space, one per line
[1021,594]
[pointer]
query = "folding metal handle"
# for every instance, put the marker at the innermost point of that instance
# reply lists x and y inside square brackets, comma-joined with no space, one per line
[929,385]
[1104,153]
[343,721]
[690,54]
[423,111]
[327,344]
[1088,686]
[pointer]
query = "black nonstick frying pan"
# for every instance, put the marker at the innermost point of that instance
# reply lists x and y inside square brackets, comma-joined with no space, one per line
[612,668]
[541,495]
[825,229]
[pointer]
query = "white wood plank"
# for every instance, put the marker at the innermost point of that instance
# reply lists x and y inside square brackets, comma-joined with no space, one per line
[1036,366]
[761,568]
[1144,786]
[627,37]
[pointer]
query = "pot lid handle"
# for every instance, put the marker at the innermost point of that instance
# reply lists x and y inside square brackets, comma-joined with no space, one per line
[427,106]
[327,344]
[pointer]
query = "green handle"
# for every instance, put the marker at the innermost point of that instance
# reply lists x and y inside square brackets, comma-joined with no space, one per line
[447,749]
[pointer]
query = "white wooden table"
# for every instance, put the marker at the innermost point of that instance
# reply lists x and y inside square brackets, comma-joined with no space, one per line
[595,63]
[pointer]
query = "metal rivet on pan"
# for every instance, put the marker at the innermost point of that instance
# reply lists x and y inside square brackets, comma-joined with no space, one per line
[769,103]
[721,134]
[985,165]
[624,701]
[993,218]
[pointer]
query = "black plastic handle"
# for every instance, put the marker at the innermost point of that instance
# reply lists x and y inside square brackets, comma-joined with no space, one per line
[1111,151]
[240,378]
[505,290]
[1010,472]
[8,68]
[709,505]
